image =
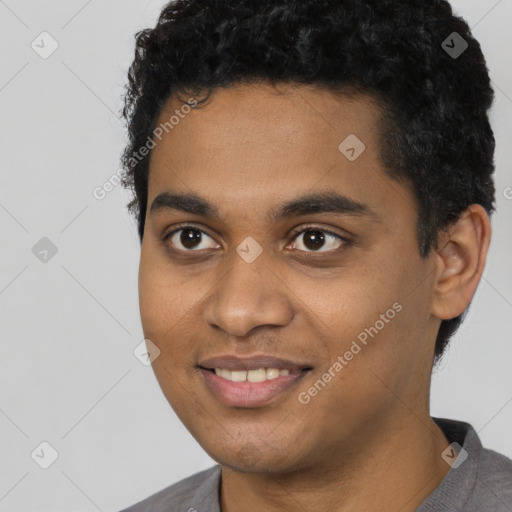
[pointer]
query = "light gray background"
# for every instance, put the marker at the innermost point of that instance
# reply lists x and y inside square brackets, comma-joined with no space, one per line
[68,375]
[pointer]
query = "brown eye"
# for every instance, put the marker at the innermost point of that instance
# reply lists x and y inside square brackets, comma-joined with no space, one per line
[314,239]
[318,240]
[189,239]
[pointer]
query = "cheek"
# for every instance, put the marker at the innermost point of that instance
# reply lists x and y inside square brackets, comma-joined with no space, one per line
[166,324]
[345,304]
[169,311]
[151,298]
[370,311]
[162,293]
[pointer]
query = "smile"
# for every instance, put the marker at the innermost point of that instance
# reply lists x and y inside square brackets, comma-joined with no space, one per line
[252,388]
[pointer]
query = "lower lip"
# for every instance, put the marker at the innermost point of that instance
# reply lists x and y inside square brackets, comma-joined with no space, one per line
[249,394]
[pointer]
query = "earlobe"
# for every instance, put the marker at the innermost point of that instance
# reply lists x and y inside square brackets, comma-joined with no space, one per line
[460,262]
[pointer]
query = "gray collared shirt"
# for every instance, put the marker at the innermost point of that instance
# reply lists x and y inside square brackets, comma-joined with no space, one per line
[482,482]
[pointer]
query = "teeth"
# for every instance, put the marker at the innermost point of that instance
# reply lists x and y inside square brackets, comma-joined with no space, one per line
[272,373]
[252,375]
[257,375]
[238,376]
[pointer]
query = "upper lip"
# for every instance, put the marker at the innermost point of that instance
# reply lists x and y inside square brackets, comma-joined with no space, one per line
[234,363]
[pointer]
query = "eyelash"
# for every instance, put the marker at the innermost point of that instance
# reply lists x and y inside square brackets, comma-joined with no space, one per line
[294,234]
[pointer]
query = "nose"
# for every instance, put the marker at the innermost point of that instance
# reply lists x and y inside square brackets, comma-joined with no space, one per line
[249,296]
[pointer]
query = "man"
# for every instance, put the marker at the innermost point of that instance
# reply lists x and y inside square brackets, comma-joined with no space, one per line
[313,185]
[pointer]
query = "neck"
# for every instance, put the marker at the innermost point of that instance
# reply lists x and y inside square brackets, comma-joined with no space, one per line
[395,468]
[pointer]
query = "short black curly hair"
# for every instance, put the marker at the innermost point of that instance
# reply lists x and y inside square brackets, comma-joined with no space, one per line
[435,130]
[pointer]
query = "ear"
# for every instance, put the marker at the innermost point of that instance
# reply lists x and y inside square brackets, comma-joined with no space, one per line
[460,261]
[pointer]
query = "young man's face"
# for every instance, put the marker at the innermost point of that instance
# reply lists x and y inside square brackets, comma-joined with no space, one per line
[307,297]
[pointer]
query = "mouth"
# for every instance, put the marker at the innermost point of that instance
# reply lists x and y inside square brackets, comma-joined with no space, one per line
[258,375]
[251,388]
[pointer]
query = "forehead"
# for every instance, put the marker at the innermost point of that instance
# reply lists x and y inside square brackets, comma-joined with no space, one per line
[249,145]
[255,116]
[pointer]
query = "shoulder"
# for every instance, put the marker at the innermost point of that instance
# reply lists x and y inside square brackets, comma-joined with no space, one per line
[481,482]
[494,480]
[181,495]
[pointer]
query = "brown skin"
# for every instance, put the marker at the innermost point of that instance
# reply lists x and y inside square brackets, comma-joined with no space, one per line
[366,441]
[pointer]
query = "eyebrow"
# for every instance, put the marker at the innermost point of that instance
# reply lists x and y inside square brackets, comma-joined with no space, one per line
[320,202]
